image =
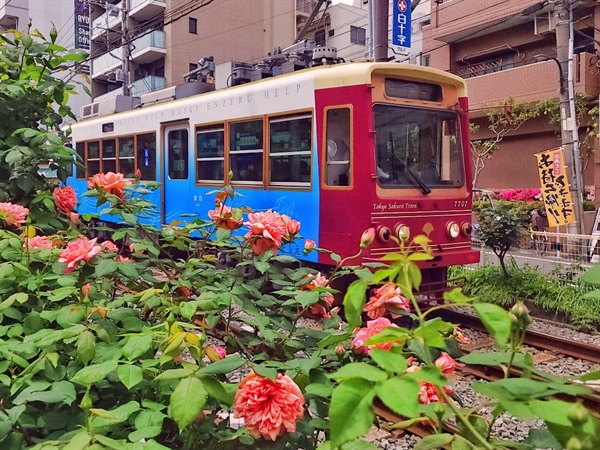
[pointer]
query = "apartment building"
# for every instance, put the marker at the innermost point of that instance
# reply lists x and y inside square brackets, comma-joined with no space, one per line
[507,49]
[147,45]
[43,15]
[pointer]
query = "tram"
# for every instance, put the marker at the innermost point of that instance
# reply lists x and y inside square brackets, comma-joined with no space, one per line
[340,148]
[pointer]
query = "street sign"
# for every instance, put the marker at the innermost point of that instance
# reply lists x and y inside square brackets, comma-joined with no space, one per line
[401,18]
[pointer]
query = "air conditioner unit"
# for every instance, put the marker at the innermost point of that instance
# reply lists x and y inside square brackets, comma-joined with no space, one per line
[544,23]
[115,104]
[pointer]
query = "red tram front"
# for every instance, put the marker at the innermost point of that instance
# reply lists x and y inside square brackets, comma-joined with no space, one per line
[395,155]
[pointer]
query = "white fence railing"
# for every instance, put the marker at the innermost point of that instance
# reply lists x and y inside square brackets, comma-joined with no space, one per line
[549,252]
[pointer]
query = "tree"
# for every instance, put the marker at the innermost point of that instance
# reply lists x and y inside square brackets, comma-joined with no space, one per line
[33,103]
[501,121]
[499,228]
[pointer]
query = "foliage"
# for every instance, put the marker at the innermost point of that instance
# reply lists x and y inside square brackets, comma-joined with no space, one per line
[554,294]
[499,227]
[586,114]
[501,121]
[34,103]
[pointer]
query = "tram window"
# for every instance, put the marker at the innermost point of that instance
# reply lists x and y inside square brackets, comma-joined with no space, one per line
[338,151]
[290,150]
[417,148]
[93,161]
[126,157]
[146,155]
[178,154]
[109,156]
[80,148]
[246,150]
[210,160]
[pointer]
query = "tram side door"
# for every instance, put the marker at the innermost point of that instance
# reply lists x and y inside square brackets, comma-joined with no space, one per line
[177,175]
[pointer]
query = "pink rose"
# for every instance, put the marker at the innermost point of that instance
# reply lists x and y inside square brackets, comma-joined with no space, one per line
[367,238]
[389,295]
[362,335]
[64,198]
[266,231]
[83,249]
[13,214]
[269,408]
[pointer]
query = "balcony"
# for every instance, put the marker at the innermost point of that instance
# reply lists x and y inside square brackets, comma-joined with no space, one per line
[147,84]
[106,63]
[14,14]
[530,83]
[149,47]
[111,20]
[141,10]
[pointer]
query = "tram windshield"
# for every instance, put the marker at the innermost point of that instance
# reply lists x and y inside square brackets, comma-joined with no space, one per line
[417,147]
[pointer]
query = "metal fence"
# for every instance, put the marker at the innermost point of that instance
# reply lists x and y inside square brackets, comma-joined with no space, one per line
[552,253]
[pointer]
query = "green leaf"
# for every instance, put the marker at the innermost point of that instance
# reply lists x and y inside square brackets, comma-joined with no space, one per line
[94,373]
[359,370]
[401,395]
[187,400]
[351,411]
[433,441]
[496,321]
[175,374]
[359,445]
[136,346]
[79,441]
[70,315]
[130,375]
[224,365]
[215,389]
[432,332]
[60,392]
[592,276]
[86,347]
[595,375]
[354,302]
[106,267]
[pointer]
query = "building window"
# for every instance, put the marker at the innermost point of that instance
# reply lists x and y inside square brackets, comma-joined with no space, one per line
[425,60]
[193,25]
[320,37]
[331,33]
[358,35]
[210,160]
[290,151]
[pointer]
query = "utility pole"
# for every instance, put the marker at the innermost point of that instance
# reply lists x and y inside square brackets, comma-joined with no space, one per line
[381,11]
[125,51]
[568,119]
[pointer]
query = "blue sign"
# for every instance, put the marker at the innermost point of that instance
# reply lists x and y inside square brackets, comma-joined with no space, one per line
[401,23]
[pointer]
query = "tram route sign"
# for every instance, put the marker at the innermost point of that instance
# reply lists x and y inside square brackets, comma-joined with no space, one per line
[401,23]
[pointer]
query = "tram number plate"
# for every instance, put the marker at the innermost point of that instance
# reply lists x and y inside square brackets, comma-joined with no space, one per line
[460,203]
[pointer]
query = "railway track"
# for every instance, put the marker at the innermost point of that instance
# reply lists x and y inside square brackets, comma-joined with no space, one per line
[543,341]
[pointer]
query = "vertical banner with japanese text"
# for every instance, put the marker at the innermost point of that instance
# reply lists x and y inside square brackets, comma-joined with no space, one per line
[82,30]
[555,187]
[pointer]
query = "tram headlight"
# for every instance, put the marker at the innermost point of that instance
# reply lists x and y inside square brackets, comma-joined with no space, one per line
[453,230]
[466,228]
[402,232]
[384,234]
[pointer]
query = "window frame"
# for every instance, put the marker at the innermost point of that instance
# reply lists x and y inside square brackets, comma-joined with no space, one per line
[228,151]
[354,35]
[193,25]
[325,138]
[217,126]
[286,118]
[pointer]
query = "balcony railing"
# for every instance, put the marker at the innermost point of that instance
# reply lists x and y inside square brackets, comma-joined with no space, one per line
[145,9]
[528,82]
[107,62]
[149,47]
[148,84]
[110,20]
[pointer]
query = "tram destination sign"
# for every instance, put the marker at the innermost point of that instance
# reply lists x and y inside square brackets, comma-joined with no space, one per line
[401,18]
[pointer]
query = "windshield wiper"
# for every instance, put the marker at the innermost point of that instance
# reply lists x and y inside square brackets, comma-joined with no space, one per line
[424,188]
